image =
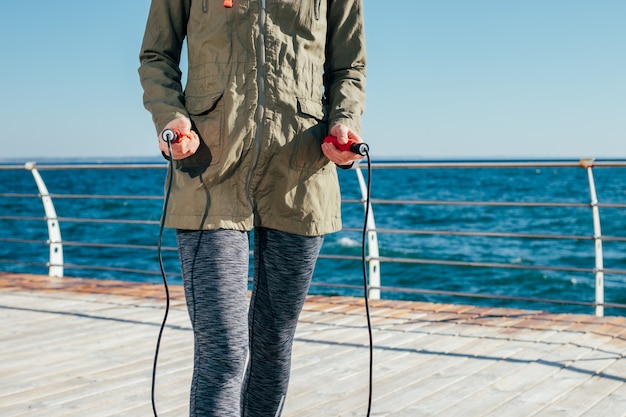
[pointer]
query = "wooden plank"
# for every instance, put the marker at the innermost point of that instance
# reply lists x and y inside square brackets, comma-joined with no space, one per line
[613,405]
[75,347]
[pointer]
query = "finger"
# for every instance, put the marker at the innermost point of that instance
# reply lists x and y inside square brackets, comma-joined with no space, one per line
[187,146]
[341,132]
[343,136]
[331,152]
[348,157]
[339,157]
[354,136]
[181,124]
[164,148]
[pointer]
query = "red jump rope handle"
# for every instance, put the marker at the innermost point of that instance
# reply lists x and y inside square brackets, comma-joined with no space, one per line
[352,145]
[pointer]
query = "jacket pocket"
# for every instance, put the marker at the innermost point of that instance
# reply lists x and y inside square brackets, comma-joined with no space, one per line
[207,118]
[306,12]
[311,108]
[199,105]
[312,128]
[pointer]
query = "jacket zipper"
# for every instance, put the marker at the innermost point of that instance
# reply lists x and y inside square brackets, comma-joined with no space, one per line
[318,5]
[204,8]
[260,109]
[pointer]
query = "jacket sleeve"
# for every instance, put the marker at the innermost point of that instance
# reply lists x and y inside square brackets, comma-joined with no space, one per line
[344,69]
[159,72]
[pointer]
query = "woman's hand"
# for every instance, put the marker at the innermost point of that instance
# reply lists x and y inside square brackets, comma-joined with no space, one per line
[343,135]
[188,142]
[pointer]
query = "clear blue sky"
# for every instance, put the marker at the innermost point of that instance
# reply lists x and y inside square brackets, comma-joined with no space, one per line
[446,79]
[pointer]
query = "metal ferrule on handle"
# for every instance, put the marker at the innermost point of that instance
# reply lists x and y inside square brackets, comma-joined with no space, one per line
[168,135]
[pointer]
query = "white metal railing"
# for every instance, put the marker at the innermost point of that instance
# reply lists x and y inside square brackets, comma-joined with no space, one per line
[372,242]
[587,164]
[597,237]
[54,228]
[56,263]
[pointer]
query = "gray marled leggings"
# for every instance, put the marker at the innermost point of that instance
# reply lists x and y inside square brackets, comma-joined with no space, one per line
[215,271]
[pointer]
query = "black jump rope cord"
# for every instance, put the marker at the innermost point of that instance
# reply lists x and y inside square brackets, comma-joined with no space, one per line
[365,281]
[170,175]
[167,290]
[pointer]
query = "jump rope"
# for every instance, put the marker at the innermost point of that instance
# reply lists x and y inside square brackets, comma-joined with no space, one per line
[171,136]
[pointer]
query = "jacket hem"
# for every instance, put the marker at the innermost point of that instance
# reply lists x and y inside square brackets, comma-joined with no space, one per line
[187,222]
[301,228]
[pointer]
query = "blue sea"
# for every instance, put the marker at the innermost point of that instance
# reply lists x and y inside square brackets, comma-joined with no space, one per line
[19,251]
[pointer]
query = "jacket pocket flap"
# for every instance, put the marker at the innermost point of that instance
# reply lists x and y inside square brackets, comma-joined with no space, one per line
[199,105]
[311,107]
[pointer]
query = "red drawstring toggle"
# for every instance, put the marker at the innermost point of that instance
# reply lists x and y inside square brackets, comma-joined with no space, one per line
[228,3]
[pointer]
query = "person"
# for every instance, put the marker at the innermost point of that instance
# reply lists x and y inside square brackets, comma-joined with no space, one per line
[266,81]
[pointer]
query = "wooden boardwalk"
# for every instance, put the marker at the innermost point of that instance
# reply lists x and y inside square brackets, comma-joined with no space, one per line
[75,347]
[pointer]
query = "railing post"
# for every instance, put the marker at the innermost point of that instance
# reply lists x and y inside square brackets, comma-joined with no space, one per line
[55,266]
[597,237]
[372,242]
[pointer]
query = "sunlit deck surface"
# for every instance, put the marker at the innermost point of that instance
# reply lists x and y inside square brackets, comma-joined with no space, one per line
[81,347]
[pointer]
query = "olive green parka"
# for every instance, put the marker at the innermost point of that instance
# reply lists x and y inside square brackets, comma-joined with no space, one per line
[265,80]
